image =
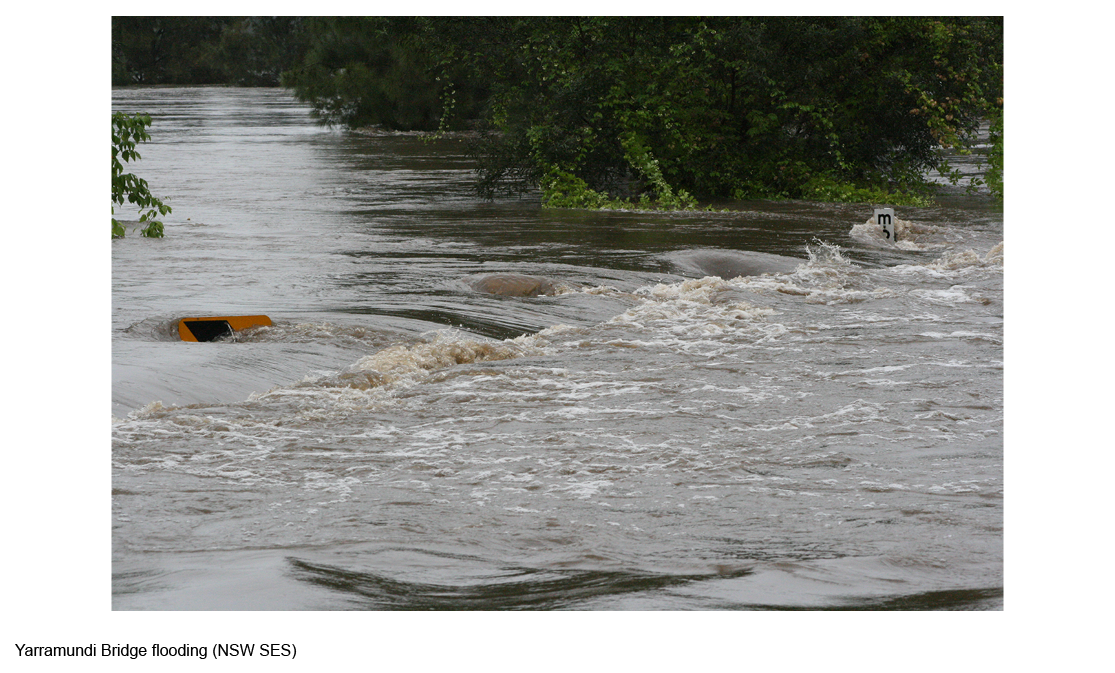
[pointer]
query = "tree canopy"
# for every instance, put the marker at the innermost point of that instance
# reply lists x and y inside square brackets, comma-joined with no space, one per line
[663,107]
[658,110]
[238,50]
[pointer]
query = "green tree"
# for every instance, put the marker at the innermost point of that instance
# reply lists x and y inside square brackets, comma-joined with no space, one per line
[744,108]
[995,158]
[167,49]
[127,131]
[256,50]
[243,51]
[656,109]
[993,163]
[361,71]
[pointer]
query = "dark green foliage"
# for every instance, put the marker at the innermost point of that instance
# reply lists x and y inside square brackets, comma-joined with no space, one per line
[363,71]
[656,108]
[357,72]
[641,110]
[994,175]
[256,50]
[165,49]
[127,131]
[245,51]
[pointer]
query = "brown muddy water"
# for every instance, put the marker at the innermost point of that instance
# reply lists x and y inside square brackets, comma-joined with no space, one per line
[649,434]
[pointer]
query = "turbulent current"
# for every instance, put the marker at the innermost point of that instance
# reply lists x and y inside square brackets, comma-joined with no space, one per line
[767,408]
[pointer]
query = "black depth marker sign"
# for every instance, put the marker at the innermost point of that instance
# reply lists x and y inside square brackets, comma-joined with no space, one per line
[885,217]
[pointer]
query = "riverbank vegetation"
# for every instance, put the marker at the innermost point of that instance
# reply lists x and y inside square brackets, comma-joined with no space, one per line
[644,112]
[127,131]
[184,50]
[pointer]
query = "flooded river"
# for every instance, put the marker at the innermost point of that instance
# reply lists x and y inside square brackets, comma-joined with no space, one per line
[653,432]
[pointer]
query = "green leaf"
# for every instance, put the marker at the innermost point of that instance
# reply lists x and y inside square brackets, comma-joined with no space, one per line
[128,186]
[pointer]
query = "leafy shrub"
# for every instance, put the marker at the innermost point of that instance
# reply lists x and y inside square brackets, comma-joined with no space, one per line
[127,130]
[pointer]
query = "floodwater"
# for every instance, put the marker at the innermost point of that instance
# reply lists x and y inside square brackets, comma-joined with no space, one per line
[827,435]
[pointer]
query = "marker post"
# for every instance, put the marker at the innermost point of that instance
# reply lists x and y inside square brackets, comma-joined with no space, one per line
[885,217]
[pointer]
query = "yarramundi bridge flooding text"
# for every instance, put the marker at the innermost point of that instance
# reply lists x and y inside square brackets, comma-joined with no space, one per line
[129,651]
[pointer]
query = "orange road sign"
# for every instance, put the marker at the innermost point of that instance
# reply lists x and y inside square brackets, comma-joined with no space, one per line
[209,328]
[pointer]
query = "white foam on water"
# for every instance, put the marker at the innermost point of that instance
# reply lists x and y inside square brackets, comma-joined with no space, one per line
[857,413]
[826,278]
[447,349]
[707,316]
[959,334]
[375,380]
[912,236]
[956,265]
[313,332]
[957,294]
